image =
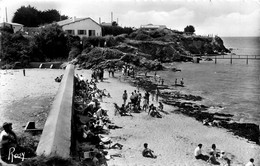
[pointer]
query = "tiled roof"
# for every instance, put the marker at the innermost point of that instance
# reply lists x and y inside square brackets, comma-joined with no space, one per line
[73,20]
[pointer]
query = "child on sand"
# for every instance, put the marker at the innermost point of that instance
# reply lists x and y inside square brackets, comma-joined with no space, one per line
[251,162]
[148,152]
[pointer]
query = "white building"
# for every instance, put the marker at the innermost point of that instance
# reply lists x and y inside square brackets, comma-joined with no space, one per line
[150,27]
[82,27]
[15,26]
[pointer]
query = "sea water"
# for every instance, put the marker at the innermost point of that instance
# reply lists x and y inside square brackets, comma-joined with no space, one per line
[227,88]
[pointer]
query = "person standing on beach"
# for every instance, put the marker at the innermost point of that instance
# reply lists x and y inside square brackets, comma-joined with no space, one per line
[124,97]
[157,93]
[182,82]
[250,163]
[176,81]
[147,95]
[23,71]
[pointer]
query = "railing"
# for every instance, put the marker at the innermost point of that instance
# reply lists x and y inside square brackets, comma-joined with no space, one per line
[232,57]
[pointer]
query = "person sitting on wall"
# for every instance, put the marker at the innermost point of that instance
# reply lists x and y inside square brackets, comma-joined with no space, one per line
[8,139]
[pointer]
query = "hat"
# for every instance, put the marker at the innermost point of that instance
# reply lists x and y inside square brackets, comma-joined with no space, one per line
[6,124]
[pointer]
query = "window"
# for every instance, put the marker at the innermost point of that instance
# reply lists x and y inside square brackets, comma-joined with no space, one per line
[91,33]
[71,32]
[81,32]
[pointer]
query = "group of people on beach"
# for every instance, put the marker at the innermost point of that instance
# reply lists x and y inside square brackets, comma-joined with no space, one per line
[214,155]
[134,105]
[93,123]
[98,74]
[128,70]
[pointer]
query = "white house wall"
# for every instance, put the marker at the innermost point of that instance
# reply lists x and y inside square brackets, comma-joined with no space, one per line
[87,25]
[17,28]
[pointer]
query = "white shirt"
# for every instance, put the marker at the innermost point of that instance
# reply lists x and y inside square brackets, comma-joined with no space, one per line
[249,164]
[197,151]
[3,133]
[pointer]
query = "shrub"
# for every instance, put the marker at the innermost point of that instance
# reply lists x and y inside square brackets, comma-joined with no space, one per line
[74,52]
[110,41]
[93,41]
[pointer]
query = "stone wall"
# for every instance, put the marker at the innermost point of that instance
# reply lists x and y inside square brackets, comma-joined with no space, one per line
[56,139]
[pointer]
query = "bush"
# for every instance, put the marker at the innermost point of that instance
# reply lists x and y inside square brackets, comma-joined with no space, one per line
[96,41]
[110,41]
[52,41]
[142,37]
[74,52]
[14,47]
[121,38]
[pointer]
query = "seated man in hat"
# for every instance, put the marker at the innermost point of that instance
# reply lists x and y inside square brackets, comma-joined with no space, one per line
[8,139]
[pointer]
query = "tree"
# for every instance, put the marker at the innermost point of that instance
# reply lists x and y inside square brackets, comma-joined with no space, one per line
[52,41]
[189,29]
[28,16]
[31,17]
[14,47]
[49,16]
[114,23]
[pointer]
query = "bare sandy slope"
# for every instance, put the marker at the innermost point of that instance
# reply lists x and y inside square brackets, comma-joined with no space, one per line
[173,138]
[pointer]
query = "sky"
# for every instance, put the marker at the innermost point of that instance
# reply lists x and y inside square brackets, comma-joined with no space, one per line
[216,17]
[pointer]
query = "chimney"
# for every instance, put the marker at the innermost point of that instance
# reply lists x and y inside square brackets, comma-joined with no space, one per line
[74,19]
[6,14]
[111,17]
[99,20]
[117,21]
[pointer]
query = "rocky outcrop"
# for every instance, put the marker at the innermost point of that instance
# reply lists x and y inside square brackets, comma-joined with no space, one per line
[141,48]
[203,45]
[100,57]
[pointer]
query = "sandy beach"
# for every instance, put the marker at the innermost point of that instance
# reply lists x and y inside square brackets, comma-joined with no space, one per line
[27,98]
[173,137]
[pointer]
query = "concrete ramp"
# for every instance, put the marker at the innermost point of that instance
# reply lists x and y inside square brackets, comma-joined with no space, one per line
[56,136]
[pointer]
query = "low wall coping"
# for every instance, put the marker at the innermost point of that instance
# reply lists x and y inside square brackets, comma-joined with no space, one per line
[56,137]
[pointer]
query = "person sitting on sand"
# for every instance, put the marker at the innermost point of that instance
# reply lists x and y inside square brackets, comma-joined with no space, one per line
[160,107]
[212,155]
[197,152]
[213,149]
[148,152]
[250,163]
[151,107]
